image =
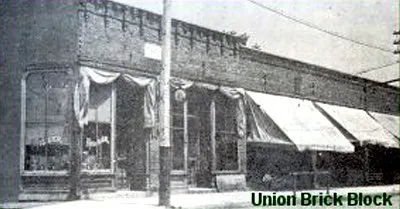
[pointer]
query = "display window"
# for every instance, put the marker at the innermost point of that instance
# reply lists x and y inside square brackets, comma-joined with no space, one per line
[226,137]
[46,137]
[96,140]
[178,135]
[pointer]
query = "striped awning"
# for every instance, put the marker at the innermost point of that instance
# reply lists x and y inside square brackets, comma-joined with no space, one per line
[361,125]
[389,122]
[301,122]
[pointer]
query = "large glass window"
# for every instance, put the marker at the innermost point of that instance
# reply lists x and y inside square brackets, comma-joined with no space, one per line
[96,140]
[226,138]
[46,132]
[178,137]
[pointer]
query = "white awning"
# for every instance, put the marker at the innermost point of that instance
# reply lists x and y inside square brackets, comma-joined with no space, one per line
[361,125]
[302,122]
[389,122]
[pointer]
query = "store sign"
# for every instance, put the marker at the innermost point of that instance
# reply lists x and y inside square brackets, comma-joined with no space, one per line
[152,51]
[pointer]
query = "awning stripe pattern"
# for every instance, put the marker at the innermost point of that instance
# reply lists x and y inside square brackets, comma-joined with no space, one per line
[302,123]
[361,125]
[262,128]
[389,122]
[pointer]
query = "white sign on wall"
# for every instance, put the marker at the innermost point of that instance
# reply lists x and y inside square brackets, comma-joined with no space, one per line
[152,51]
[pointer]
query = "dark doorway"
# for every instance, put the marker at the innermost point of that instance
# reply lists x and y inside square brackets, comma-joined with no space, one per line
[199,141]
[131,138]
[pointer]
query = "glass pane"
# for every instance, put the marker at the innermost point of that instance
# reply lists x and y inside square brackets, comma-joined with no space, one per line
[97,134]
[96,146]
[177,121]
[176,106]
[230,123]
[46,136]
[46,97]
[227,152]
[177,150]
[193,137]
[225,114]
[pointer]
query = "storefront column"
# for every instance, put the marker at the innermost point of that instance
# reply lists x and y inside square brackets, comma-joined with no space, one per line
[113,129]
[213,146]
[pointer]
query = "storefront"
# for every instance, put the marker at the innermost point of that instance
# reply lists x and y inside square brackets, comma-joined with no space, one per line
[85,97]
[353,145]
[118,133]
[293,137]
[375,139]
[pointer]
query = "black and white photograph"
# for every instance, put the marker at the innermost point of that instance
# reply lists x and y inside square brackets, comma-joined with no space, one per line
[200,104]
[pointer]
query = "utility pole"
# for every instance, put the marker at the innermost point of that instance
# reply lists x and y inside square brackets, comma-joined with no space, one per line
[396,42]
[164,191]
[75,134]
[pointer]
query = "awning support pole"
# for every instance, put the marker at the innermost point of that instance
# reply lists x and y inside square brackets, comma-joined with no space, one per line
[314,168]
[366,164]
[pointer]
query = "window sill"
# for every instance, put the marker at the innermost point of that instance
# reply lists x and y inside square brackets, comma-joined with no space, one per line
[64,173]
[227,172]
[44,173]
[178,172]
[104,172]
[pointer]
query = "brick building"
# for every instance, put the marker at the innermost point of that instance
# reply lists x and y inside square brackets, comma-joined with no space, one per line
[81,76]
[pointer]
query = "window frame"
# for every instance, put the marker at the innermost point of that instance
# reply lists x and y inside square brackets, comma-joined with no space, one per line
[214,131]
[183,115]
[111,170]
[23,172]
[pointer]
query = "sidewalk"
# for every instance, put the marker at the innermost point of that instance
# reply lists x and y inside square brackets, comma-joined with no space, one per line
[189,201]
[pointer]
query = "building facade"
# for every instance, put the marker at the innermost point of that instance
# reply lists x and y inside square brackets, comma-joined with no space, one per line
[80,78]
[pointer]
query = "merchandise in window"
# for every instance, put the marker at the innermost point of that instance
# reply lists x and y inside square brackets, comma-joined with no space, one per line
[96,140]
[46,128]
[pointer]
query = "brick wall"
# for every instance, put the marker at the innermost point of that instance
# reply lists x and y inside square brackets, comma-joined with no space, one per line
[115,34]
[278,75]
[34,33]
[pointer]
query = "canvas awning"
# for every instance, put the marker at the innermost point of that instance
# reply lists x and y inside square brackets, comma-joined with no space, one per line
[360,124]
[88,75]
[389,122]
[302,123]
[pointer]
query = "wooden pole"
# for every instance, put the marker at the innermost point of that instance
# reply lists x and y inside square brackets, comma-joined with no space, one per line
[75,150]
[314,168]
[366,164]
[164,192]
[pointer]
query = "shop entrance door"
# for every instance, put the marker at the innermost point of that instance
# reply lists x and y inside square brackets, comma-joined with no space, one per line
[191,166]
[131,138]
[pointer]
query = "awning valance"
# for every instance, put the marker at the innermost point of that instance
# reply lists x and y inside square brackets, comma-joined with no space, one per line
[231,93]
[389,122]
[301,122]
[359,124]
[88,75]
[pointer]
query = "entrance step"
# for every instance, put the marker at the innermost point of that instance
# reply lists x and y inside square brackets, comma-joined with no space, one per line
[178,184]
[198,190]
[119,194]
